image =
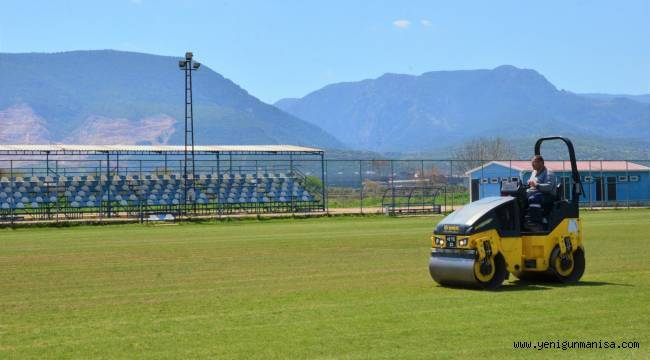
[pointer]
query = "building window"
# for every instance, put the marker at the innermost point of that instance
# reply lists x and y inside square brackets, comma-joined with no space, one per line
[484,181]
[634,178]
[589,179]
[514,178]
[622,178]
[494,181]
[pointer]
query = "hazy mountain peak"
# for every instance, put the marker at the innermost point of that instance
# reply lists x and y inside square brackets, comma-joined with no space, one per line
[399,113]
[507,68]
[643,98]
[395,76]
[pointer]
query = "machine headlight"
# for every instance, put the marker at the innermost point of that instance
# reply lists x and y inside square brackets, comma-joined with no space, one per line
[439,241]
[462,242]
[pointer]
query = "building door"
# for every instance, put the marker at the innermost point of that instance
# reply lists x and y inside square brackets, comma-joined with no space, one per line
[611,188]
[599,188]
[475,189]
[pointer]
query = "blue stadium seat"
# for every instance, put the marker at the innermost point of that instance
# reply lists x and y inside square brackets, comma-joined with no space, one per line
[162,190]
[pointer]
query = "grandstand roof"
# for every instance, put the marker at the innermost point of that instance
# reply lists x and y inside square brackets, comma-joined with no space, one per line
[140,149]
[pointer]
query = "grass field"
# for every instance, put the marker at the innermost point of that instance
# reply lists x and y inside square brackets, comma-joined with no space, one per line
[347,287]
[352,198]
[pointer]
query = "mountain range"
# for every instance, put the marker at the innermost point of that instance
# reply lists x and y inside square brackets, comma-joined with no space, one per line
[104,97]
[115,97]
[438,110]
[640,98]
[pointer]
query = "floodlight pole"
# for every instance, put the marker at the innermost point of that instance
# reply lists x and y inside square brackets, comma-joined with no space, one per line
[188,66]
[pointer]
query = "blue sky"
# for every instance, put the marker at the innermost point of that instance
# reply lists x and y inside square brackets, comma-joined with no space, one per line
[277,49]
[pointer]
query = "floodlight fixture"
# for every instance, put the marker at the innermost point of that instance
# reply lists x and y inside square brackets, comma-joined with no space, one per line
[196,65]
[182,64]
[188,55]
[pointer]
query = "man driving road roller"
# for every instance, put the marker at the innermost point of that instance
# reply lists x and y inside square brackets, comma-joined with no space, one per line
[479,244]
[541,190]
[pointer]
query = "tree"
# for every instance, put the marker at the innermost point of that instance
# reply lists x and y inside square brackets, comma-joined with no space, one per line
[432,175]
[313,183]
[478,151]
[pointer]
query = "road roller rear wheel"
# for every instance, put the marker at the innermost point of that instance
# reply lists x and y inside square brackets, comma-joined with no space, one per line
[568,269]
[491,274]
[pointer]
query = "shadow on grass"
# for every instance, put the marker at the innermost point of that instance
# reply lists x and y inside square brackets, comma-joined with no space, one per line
[504,287]
[525,285]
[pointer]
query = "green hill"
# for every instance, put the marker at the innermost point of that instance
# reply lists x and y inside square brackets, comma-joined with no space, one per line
[122,97]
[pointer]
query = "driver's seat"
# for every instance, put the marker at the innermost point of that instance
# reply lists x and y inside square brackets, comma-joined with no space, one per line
[554,203]
[551,204]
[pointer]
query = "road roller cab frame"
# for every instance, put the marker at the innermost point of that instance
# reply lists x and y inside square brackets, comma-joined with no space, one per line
[479,244]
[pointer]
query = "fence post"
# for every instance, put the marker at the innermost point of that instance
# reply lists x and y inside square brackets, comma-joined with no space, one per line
[139,190]
[361,186]
[562,180]
[627,184]
[481,190]
[451,178]
[290,164]
[422,181]
[99,181]
[591,177]
[323,168]
[392,184]
[13,200]
[218,169]
[602,185]
[109,181]
[446,199]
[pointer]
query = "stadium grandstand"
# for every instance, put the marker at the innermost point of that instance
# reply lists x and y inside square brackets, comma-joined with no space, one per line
[63,182]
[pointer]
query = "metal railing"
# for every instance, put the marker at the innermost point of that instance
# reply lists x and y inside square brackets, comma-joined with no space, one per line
[340,185]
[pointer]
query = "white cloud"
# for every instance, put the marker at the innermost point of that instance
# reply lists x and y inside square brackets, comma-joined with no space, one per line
[426,23]
[402,24]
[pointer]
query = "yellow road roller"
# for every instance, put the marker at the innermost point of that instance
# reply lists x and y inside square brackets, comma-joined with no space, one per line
[483,242]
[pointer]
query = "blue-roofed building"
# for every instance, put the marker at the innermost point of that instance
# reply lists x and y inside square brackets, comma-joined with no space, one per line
[604,182]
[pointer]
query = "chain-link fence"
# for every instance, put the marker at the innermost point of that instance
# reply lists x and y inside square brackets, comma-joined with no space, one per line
[369,185]
[137,187]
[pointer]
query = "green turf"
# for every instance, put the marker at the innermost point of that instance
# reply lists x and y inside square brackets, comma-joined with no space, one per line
[351,198]
[326,288]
